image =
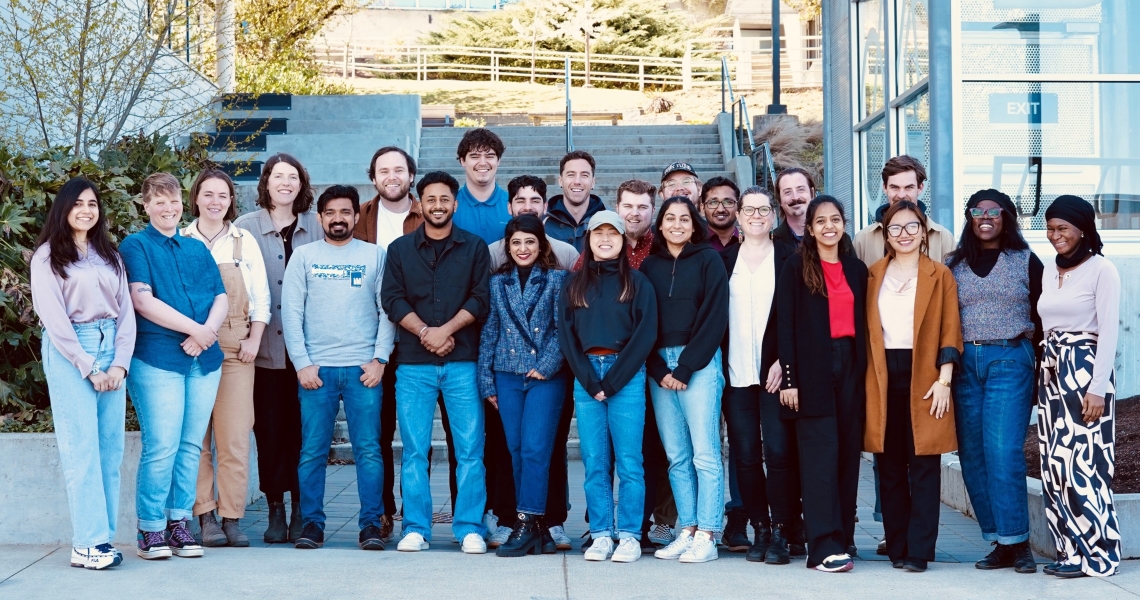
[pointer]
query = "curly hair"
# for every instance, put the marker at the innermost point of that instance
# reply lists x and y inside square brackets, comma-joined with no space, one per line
[480,138]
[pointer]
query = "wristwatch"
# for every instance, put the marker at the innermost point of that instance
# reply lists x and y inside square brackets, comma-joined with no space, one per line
[95,370]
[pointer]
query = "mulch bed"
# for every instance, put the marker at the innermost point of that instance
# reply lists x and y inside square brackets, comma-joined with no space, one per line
[1127,478]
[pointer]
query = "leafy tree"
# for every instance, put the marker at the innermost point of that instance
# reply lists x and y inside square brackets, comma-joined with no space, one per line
[587,21]
[808,9]
[274,45]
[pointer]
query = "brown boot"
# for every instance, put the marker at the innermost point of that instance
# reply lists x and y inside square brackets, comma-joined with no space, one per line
[212,535]
[234,534]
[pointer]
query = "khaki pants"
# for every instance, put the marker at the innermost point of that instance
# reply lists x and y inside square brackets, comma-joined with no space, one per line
[230,427]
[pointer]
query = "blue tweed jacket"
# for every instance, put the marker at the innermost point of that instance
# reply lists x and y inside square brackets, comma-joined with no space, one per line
[521,331]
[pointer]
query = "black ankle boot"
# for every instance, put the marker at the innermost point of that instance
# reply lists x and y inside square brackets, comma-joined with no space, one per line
[295,523]
[760,544]
[1023,561]
[548,545]
[1001,557]
[278,531]
[796,538]
[777,552]
[525,538]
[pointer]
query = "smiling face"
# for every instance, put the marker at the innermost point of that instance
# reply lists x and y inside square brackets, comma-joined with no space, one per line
[903,186]
[721,207]
[677,225]
[756,225]
[480,166]
[795,193]
[391,176]
[905,233]
[213,200]
[681,183]
[637,212]
[987,228]
[1064,236]
[438,204]
[165,211]
[527,202]
[827,225]
[523,248]
[284,184]
[338,218]
[605,242]
[577,181]
[84,213]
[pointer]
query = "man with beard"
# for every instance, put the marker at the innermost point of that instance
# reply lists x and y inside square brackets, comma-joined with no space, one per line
[680,179]
[571,210]
[339,340]
[795,189]
[904,178]
[528,197]
[719,200]
[481,205]
[436,289]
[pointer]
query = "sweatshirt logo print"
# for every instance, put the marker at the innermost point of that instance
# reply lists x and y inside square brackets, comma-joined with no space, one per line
[354,273]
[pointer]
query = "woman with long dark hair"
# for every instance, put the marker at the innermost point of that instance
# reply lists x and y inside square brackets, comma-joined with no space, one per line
[607,326]
[1076,393]
[80,292]
[283,224]
[999,283]
[691,286]
[520,372]
[823,350]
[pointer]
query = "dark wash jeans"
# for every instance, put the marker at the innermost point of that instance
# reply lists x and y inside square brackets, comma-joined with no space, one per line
[530,409]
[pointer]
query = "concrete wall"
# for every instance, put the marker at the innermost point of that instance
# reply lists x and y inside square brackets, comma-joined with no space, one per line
[33,497]
[377,26]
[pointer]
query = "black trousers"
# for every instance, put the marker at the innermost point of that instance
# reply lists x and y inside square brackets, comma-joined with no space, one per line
[388,435]
[557,489]
[501,498]
[910,486]
[829,449]
[277,429]
[759,439]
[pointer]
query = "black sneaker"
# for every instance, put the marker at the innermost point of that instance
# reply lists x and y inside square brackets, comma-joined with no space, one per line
[312,537]
[914,565]
[735,537]
[152,545]
[370,538]
[181,541]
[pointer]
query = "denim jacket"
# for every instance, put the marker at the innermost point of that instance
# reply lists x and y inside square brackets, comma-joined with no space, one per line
[521,331]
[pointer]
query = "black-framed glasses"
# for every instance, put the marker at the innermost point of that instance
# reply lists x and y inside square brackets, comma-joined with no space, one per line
[717,203]
[984,213]
[763,211]
[911,228]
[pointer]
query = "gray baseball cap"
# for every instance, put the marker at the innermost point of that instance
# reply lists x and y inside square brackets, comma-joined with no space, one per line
[606,217]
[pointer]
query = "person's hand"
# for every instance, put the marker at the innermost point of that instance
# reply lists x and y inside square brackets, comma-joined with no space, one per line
[600,396]
[941,403]
[191,347]
[790,398]
[100,380]
[670,383]
[309,377]
[204,336]
[774,375]
[434,338]
[1092,408]
[115,377]
[534,374]
[494,400]
[247,349]
[373,372]
[446,348]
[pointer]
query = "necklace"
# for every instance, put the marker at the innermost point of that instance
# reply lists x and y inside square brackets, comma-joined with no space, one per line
[209,239]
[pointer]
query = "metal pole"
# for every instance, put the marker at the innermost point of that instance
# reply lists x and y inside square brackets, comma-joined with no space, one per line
[569,112]
[226,41]
[775,108]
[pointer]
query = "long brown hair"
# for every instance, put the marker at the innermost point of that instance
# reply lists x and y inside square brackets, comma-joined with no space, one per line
[809,249]
[583,281]
[897,208]
[528,223]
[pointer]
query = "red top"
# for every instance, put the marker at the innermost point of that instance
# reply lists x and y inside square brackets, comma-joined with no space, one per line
[840,301]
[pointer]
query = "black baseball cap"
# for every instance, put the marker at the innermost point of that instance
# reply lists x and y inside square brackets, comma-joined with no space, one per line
[678,166]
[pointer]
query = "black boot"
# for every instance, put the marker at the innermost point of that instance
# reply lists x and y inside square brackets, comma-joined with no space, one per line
[777,552]
[760,544]
[548,545]
[1001,557]
[797,540]
[1023,561]
[278,531]
[295,523]
[525,538]
[735,536]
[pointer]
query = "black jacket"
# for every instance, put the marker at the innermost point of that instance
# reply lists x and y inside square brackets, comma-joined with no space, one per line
[692,308]
[414,282]
[561,226]
[769,347]
[630,328]
[805,337]
[783,235]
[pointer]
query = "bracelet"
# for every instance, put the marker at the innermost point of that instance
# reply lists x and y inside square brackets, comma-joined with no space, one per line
[944,382]
[421,333]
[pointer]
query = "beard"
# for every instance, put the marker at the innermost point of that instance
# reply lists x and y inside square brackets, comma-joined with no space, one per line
[400,193]
[338,235]
[441,222]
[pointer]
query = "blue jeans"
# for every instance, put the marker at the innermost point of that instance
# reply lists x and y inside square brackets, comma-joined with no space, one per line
[89,434]
[689,422]
[318,417]
[174,411]
[620,418]
[537,404]
[417,388]
[993,397]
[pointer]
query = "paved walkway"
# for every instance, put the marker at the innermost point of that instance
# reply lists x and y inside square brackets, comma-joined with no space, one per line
[340,570]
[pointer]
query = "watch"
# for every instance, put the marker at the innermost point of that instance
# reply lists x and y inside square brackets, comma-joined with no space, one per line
[381,361]
[95,370]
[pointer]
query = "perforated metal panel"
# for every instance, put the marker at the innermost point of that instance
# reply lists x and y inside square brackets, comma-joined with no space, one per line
[981,59]
[1073,135]
[984,11]
[839,177]
[914,41]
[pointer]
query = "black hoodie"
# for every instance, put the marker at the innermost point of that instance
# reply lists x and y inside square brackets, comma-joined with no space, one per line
[692,307]
[561,226]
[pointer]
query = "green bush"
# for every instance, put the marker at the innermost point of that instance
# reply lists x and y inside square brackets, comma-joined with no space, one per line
[27,185]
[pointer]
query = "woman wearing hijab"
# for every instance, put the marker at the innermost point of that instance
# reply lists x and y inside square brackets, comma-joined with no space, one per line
[1079,307]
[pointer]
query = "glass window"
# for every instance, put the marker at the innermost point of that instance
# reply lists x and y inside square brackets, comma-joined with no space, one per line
[871,57]
[873,151]
[914,34]
[916,124]
[1036,141]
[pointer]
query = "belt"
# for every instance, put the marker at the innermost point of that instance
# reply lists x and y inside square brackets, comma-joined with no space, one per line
[600,351]
[1010,342]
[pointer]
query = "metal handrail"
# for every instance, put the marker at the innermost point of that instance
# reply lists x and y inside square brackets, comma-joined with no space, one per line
[569,111]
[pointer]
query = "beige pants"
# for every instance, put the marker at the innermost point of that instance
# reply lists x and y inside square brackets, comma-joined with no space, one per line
[230,427]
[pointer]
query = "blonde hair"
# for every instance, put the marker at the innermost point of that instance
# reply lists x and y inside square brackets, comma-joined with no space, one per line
[160,184]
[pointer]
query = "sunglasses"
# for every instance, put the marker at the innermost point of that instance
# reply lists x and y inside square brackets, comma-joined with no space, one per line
[985,213]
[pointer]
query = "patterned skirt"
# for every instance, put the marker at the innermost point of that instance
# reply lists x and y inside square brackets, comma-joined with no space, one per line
[1077,460]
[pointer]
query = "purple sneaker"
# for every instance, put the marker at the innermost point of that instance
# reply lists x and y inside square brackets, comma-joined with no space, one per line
[152,545]
[181,541]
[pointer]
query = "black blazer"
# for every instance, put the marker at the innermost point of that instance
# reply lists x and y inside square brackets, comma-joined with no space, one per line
[768,346]
[805,337]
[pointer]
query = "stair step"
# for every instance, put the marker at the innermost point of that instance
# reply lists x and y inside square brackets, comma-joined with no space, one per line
[257,101]
[242,171]
[268,126]
[236,141]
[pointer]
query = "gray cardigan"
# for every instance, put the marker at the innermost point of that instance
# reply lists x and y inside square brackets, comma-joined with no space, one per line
[271,354]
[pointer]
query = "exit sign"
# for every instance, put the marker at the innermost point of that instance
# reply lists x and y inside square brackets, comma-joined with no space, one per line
[1025,109]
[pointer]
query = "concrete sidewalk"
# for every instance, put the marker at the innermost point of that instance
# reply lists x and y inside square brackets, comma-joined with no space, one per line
[340,570]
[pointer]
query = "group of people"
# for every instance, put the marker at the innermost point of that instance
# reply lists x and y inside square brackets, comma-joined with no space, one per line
[513,312]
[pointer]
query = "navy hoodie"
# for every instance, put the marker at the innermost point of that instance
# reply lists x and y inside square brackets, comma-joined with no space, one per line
[561,226]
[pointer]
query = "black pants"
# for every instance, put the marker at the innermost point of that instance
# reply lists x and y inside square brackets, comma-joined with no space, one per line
[557,489]
[501,498]
[829,450]
[388,434]
[759,438]
[910,486]
[659,504]
[277,429]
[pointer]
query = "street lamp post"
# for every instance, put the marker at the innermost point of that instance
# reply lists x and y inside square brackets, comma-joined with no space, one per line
[775,108]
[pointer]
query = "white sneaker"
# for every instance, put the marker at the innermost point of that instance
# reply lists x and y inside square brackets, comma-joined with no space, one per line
[499,537]
[561,540]
[677,547]
[100,557]
[661,534]
[703,549]
[473,544]
[601,549]
[836,563]
[629,550]
[412,542]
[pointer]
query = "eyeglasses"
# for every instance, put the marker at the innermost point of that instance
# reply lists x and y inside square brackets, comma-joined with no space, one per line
[763,211]
[717,203]
[912,228]
[982,213]
[672,183]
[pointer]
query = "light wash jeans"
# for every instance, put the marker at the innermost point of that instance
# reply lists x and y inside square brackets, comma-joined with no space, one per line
[174,411]
[689,422]
[318,417]
[417,389]
[89,434]
[620,419]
